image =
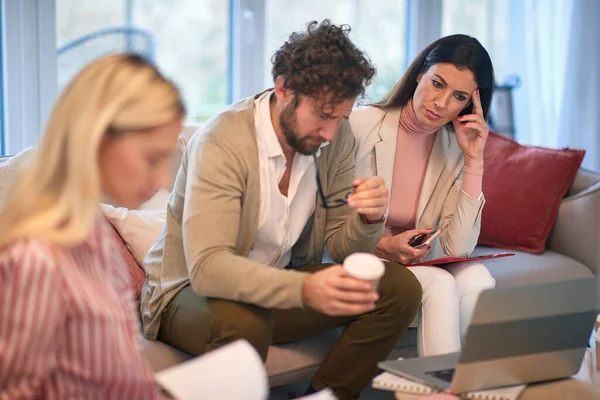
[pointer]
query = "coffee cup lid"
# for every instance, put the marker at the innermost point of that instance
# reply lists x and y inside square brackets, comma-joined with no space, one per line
[364,266]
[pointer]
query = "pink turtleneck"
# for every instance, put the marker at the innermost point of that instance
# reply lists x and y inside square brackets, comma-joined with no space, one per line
[413,148]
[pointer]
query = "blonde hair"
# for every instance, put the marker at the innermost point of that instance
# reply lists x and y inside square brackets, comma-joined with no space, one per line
[56,197]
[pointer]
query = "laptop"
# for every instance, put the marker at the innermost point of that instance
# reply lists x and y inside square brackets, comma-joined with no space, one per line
[518,335]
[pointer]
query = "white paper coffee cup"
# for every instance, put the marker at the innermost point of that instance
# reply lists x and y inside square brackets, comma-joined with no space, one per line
[366,267]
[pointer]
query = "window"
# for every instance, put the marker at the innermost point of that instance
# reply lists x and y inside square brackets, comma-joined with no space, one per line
[217,51]
[2,145]
[188,40]
[486,20]
[379,31]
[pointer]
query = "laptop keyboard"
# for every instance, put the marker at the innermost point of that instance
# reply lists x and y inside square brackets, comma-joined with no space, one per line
[444,374]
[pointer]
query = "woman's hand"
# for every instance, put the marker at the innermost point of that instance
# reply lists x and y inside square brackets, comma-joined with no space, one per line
[397,249]
[472,133]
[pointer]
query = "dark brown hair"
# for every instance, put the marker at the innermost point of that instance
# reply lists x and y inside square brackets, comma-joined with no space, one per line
[460,50]
[323,58]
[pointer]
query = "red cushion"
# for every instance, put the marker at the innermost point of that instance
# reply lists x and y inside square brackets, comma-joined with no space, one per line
[523,187]
[136,273]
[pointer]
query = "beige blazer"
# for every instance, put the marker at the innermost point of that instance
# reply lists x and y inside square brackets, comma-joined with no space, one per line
[212,219]
[442,203]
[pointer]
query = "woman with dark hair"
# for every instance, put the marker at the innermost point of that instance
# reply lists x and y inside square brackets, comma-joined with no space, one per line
[426,140]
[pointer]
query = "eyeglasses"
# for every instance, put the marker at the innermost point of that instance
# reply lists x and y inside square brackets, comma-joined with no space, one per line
[333,200]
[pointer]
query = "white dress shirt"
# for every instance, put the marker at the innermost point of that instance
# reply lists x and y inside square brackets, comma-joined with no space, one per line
[281,218]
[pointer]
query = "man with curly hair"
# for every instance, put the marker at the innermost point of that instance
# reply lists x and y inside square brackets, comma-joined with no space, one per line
[264,190]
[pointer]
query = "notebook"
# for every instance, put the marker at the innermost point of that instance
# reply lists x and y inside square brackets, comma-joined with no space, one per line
[388,381]
[450,260]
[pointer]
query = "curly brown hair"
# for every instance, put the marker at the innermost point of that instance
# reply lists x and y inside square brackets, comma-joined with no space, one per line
[323,60]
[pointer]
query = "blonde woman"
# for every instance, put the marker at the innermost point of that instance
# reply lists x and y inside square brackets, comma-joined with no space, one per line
[68,323]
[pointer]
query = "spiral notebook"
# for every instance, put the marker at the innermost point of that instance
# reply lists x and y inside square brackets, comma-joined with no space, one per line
[388,381]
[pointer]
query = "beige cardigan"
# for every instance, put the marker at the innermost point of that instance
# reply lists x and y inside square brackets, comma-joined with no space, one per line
[442,203]
[212,219]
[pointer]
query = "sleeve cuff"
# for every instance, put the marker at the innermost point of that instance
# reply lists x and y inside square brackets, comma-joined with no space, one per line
[367,222]
[296,286]
[364,231]
[478,198]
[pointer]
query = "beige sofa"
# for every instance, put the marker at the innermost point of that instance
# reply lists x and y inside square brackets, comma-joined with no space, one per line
[573,251]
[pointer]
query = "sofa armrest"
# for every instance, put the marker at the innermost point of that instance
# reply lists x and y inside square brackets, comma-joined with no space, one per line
[576,231]
[584,179]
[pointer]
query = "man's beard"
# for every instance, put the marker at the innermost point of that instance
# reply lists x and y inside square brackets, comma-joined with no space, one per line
[289,127]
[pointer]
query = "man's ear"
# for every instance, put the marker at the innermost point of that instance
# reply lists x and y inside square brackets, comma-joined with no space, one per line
[282,93]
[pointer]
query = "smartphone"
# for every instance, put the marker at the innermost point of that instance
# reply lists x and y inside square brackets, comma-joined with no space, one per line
[417,240]
[467,110]
[423,239]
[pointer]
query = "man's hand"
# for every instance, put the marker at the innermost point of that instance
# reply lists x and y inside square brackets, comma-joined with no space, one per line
[333,292]
[370,198]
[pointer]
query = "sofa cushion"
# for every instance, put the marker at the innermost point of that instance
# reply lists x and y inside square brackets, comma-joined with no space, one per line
[525,268]
[136,273]
[137,231]
[285,363]
[283,358]
[139,228]
[161,356]
[288,362]
[523,186]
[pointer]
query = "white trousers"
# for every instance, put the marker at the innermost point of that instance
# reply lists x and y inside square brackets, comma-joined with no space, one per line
[449,298]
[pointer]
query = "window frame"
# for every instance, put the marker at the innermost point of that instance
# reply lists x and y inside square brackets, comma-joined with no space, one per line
[30,72]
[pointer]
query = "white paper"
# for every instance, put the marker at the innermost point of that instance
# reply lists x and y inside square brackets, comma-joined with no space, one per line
[234,371]
[325,394]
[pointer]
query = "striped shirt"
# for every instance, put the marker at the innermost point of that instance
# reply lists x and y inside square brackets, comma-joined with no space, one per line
[69,327]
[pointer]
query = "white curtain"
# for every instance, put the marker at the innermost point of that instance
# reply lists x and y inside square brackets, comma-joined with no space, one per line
[555,52]
[579,125]
[540,41]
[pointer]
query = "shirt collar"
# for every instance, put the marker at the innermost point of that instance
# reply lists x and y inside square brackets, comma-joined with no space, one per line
[268,132]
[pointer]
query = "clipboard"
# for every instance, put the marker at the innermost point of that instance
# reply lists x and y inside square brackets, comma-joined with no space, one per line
[451,260]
